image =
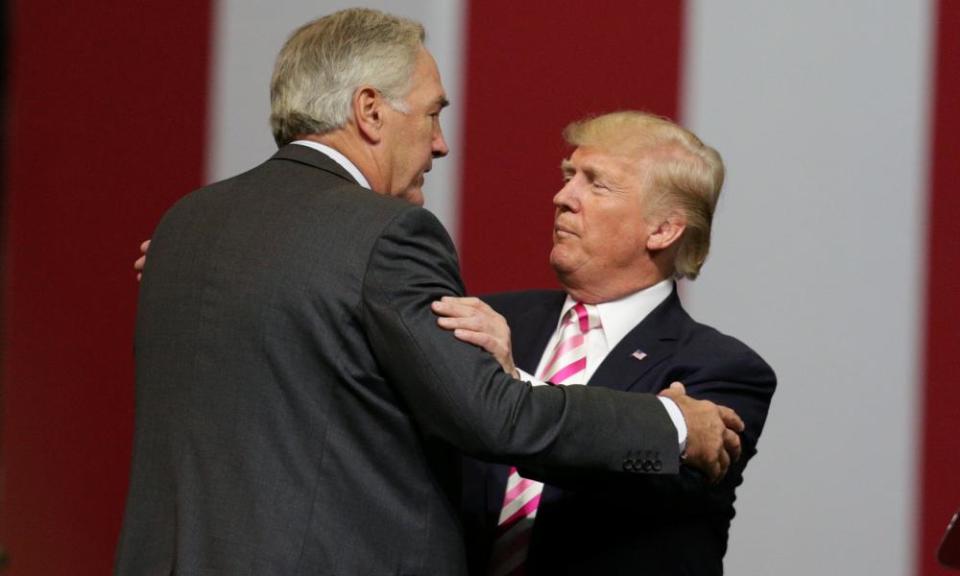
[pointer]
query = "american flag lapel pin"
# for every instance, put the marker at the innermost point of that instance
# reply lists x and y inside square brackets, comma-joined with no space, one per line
[639,354]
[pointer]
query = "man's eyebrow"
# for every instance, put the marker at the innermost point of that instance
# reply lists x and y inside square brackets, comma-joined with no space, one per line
[569,169]
[442,102]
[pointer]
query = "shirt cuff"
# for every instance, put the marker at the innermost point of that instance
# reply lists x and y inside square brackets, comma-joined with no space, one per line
[676,416]
[530,379]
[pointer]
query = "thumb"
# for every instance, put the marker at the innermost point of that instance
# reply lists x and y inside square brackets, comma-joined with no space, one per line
[675,390]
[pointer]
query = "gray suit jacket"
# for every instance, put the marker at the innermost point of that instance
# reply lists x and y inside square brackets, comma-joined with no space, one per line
[298,411]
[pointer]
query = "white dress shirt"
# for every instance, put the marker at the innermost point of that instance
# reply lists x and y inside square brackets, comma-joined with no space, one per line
[617,318]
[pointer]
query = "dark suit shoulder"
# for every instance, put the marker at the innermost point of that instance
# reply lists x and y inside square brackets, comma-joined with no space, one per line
[418,228]
[512,303]
[700,341]
[315,192]
[699,344]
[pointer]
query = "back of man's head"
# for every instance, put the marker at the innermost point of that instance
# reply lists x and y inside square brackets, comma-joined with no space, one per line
[324,62]
[682,173]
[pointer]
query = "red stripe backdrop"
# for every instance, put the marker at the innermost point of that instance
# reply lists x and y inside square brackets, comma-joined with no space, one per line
[940,495]
[107,128]
[531,69]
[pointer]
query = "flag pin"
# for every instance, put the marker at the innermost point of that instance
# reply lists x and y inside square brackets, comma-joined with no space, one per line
[639,354]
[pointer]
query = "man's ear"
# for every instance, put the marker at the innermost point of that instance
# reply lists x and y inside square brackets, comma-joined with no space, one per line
[368,113]
[667,232]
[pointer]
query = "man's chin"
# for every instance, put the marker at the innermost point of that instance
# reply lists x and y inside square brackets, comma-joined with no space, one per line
[413,195]
[560,260]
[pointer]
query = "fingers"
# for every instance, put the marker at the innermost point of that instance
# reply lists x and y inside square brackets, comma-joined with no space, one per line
[456,307]
[474,322]
[723,464]
[142,260]
[483,340]
[715,462]
[463,304]
[731,444]
[713,441]
[730,419]
[471,301]
[466,323]
[450,319]
[480,339]
[470,314]
[138,266]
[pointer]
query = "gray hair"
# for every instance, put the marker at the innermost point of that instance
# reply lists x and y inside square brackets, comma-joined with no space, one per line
[684,173]
[325,61]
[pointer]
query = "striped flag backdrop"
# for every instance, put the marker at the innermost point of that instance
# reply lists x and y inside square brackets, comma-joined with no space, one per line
[835,254]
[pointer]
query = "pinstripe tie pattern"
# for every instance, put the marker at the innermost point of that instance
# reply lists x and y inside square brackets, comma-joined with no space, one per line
[567,365]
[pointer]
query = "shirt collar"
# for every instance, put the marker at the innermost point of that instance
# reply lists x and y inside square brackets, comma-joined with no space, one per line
[337,157]
[619,317]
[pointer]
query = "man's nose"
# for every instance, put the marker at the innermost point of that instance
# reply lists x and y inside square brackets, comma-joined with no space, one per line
[566,197]
[440,148]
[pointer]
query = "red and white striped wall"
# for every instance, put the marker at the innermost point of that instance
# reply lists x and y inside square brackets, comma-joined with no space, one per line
[834,251]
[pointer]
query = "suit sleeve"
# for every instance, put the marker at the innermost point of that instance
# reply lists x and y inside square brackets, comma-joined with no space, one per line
[735,376]
[457,393]
[732,375]
[725,372]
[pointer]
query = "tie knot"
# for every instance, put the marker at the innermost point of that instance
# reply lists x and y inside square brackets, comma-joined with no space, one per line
[585,316]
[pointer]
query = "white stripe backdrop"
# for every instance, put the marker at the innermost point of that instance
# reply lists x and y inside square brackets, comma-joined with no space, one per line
[819,109]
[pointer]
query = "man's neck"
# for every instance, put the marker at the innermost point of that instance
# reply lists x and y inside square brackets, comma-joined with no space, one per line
[600,292]
[349,144]
[614,286]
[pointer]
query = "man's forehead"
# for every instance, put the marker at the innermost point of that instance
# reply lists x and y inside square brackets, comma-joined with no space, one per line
[428,81]
[599,157]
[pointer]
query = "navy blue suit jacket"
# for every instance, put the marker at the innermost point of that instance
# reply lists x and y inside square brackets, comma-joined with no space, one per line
[652,525]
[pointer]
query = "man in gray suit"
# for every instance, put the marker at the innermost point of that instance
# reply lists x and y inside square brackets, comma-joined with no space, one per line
[298,411]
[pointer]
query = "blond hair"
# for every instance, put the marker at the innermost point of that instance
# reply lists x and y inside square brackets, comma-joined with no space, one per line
[682,172]
[325,61]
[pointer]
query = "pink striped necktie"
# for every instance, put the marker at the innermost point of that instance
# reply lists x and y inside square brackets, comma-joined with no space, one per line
[567,365]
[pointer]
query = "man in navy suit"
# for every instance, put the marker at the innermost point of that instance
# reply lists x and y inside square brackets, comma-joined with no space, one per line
[633,215]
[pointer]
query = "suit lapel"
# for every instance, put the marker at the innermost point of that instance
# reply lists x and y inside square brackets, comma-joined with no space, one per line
[651,342]
[532,330]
